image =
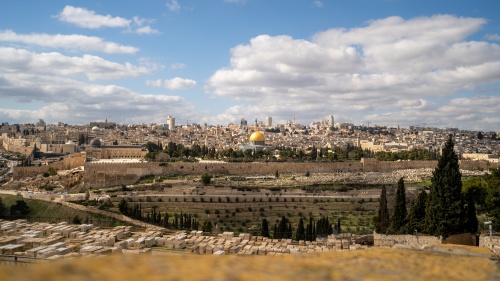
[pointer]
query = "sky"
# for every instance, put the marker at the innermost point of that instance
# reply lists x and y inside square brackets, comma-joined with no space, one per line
[372,62]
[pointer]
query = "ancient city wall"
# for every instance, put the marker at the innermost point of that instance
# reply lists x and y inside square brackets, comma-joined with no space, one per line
[101,174]
[417,241]
[76,160]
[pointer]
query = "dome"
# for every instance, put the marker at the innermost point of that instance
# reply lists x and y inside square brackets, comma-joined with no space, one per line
[257,136]
[95,128]
[95,143]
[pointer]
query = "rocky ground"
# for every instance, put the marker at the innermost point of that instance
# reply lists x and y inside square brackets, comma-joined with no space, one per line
[434,263]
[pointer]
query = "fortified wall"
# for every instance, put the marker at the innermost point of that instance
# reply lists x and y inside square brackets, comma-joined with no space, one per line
[73,161]
[109,174]
[105,174]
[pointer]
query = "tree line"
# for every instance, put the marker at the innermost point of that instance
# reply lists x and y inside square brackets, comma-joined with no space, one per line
[450,206]
[309,232]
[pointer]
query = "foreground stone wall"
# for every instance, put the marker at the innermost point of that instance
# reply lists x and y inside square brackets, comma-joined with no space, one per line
[493,244]
[417,241]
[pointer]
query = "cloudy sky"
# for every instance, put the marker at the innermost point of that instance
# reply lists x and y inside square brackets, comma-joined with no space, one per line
[388,62]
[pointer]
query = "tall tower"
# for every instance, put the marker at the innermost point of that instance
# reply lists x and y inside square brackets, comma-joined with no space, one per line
[269,121]
[330,120]
[171,122]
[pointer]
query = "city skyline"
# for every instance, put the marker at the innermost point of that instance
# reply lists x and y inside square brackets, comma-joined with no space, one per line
[384,62]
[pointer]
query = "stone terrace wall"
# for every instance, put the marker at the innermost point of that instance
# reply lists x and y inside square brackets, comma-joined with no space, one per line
[76,160]
[382,240]
[373,165]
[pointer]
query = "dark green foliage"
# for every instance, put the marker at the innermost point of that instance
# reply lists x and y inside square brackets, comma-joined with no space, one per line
[207,226]
[122,206]
[398,220]
[323,227]
[445,209]
[471,223]
[2,208]
[76,220]
[337,227]
[493,197]
[301,232]
[20,208]
[264,229]
[413,154]
[52,171]
[416,216]
[283,230]
[206,178]
[382,221]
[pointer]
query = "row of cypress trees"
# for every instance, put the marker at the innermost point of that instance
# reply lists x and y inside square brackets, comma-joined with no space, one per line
[314,229]
[442,212]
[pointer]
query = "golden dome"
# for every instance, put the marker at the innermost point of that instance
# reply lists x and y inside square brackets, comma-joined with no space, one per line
[257,136]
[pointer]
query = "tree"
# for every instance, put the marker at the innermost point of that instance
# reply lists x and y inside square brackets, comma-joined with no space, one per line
[493,197]
[264,229]
[398,220]
[20,208]
[416,215]
[206,178]
[76,220]
[477,188]
[52,171]
[122,206]
[471,223]
[2,207]
[444,214]
[207,226]
[382,221]
[301,232]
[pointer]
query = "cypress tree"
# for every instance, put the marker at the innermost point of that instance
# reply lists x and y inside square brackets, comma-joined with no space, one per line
[416,216]
[383,213]
[471,223]
[264,229]
[301,232]
[444,214]
[398,221]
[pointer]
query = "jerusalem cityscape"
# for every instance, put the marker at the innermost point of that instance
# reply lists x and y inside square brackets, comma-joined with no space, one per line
[243,140]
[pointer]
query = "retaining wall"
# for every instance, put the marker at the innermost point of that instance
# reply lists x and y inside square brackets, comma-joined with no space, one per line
[417,241]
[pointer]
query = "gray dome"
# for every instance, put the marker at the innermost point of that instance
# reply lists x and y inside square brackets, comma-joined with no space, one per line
[95,143]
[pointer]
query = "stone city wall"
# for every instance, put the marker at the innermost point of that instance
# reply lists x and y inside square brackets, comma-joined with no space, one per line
[101,174]
[417,241]
[76,160]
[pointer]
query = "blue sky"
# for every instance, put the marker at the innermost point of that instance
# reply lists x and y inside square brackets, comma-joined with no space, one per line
[388,62]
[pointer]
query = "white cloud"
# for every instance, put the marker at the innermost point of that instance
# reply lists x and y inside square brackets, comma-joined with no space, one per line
[172,84]
[177,66]
[235,1]
[73,101]
[146,30]
[492,37]
[19,61]
[391,66]
[173,6]
[69,42]
[318,3]
[89,19]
